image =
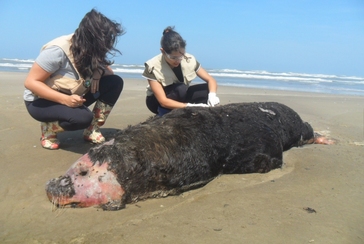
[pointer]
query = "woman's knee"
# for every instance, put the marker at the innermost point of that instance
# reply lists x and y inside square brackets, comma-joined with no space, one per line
[115,83]
[197,93]
[77,122]
[152,104]
[177,92]
[110,88]
[85,119]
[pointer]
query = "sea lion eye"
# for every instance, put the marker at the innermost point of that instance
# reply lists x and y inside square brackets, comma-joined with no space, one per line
[83,173]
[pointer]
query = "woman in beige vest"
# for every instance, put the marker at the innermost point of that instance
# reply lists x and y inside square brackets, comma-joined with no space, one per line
[71,73]
[169,75]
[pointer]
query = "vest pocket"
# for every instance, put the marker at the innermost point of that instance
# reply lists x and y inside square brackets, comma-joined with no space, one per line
[67,85]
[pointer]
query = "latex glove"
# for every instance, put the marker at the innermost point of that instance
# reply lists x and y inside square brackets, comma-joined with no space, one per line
[197,105]
[213,99]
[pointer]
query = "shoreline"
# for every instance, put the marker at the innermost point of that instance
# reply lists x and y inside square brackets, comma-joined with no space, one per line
[128,76]
[248,208]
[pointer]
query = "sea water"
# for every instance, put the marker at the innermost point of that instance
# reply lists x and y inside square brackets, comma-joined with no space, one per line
[319,83]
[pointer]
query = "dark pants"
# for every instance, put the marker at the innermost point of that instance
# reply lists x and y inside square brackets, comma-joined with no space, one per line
[43,110]
[179,92]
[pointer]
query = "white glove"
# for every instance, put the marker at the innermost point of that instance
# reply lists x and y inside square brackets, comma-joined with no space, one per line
[213,99]
[197,105]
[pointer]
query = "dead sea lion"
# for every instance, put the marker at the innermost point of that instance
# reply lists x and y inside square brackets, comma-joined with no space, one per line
[182,150]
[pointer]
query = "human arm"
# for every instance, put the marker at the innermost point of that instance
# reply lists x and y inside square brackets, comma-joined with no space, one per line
[35,82]
[97,76]
[212,85]
[166,102]
[211,82]
[160,95]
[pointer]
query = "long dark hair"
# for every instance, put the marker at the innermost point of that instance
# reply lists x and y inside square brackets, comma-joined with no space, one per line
[171,40]
[94,38]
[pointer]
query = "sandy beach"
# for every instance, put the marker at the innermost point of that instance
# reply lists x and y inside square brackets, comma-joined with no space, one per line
[249,208]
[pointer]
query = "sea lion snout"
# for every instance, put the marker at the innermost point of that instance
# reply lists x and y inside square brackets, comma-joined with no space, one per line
[61,186]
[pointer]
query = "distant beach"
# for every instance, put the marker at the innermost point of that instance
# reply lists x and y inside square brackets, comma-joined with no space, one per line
[285,81]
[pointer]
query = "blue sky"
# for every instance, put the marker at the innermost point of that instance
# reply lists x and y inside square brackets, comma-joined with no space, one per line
[304,36]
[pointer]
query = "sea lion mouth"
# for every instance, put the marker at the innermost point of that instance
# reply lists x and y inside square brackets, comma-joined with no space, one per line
[74,204]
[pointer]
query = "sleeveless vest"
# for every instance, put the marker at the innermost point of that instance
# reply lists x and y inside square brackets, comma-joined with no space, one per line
[164,73]
[65,84]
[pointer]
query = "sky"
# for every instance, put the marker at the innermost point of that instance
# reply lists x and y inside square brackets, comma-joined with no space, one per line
[301,36]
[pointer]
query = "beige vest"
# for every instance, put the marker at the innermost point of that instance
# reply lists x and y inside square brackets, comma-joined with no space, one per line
[165,75]
[61,83]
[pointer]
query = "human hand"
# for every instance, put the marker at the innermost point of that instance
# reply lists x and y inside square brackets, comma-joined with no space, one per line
[197,105]
[95,85]
[213,99]
[74,101]
[96,76]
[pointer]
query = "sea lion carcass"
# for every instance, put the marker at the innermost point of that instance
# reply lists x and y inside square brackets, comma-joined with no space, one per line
[181,150]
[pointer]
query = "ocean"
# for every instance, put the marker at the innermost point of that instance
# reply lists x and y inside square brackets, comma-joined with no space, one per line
[318,83]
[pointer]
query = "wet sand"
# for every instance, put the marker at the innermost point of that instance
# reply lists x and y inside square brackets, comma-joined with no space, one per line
[250,208]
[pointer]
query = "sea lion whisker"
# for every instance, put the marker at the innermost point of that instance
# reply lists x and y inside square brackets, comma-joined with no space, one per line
[54,203]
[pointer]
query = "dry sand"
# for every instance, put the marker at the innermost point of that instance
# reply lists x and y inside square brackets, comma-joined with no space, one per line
[250,208]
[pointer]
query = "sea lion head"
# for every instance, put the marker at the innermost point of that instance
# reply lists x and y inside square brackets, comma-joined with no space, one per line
[86,184]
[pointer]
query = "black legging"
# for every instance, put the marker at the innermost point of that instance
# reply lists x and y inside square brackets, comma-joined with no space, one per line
[43,110]
[182,93]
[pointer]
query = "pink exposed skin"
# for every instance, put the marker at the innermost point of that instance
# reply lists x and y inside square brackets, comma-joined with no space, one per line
[319,139]
[93,185]
[324,140]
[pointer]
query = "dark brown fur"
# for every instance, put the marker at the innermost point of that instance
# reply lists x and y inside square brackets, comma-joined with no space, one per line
[189,147]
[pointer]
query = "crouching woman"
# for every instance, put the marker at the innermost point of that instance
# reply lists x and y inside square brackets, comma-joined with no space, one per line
[71,73]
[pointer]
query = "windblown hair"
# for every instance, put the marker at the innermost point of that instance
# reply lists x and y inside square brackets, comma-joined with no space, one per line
[94,38]
[171,40]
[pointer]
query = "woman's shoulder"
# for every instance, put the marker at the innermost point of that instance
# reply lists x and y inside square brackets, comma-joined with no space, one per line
[52,52]
[190,60]
[153,62]
[190,56]
[51,58]
[61,41]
